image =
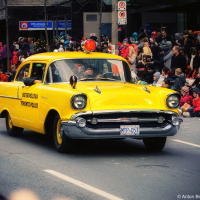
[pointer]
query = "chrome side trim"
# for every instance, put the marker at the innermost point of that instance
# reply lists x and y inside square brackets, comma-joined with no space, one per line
[10,97]
[123,111]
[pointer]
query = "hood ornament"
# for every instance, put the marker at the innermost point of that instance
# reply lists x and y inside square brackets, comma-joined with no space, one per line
[146,89]
[97,90]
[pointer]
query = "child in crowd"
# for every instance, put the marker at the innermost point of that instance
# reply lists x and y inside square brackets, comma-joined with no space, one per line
[166,83]
[186,99]
[194,111]
[156,77]
[163,76]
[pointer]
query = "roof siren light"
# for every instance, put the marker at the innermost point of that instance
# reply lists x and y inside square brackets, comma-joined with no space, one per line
[89,46]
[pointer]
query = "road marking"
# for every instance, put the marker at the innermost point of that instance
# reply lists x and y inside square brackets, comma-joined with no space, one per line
[82,185]
[188,143]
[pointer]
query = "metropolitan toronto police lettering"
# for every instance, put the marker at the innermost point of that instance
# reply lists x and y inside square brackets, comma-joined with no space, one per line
[30,95]
[29,104]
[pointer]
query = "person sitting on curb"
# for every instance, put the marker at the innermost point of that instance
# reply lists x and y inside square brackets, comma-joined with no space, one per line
[194,111]
[186,99]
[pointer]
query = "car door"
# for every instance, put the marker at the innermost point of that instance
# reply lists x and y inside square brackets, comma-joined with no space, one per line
[30,98]
[14,89]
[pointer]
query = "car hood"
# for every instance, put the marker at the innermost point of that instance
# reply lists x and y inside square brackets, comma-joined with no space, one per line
[117,96]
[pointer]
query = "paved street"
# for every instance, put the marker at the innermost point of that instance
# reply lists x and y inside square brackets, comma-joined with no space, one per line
[109,170]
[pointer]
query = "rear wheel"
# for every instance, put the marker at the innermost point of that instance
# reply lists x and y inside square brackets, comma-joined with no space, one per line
[155,144]
[11,129]
[61,142]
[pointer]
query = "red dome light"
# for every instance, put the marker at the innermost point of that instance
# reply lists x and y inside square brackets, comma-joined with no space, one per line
[90,45]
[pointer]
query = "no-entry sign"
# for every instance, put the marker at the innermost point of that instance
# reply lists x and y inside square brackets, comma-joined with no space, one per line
[121,5]
[122,17]
[122,14]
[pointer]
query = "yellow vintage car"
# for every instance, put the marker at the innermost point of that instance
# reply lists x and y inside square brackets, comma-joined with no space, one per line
[77,95]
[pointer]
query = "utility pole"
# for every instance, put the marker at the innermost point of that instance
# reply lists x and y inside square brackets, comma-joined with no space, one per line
[7,34]
[100,19]
[114,22]
[46,25]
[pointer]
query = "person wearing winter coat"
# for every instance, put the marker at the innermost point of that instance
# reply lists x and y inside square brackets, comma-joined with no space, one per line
[124,49]
[178,60]
[3,76]
[14,59]
[195,110]
[164,75]
[156,77]
[186,98]
[196,83]
[178,80]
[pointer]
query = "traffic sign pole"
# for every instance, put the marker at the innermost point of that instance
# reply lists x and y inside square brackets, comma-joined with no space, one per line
[114,23]
[122,13]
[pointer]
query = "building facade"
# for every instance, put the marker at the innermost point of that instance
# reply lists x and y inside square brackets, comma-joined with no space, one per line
[175,15]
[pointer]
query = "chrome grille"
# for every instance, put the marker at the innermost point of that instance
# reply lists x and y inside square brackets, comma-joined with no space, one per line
[114,120]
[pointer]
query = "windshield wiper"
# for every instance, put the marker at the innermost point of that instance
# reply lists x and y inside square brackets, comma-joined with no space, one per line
[87,79]
[97,79]
[106,79]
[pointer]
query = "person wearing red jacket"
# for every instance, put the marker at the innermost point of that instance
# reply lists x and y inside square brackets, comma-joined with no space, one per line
[196,102]
[3,77]
[124,49]
[186,98]
[15,59]
[195,110]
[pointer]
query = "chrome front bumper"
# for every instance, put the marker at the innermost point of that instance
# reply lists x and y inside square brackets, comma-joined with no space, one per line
[72,130]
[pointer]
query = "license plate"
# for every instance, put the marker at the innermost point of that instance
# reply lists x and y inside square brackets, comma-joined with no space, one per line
[130,130]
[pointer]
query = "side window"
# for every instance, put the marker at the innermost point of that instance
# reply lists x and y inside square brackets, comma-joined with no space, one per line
[49,76]
[38,70]
[130,76]
[23,73]
[54,73]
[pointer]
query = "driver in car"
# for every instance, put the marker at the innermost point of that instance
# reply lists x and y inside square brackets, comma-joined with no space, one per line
[89,73]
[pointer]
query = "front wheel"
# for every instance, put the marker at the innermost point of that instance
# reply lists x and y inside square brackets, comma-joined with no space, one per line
[61,143]
[155,144]
[11,129]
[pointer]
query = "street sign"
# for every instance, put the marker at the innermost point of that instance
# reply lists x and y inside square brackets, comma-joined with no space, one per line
[41,25]
[122,14]
[122,21]
[23,25]
[122,17]
[121,5]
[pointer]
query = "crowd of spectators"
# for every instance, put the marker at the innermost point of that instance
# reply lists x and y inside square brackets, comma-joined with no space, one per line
[157,58]
[167,61]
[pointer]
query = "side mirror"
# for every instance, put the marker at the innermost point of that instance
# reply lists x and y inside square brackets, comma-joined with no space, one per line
[29,81]
[73,81]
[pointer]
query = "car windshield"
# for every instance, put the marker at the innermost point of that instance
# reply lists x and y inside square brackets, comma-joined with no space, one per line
[87,70]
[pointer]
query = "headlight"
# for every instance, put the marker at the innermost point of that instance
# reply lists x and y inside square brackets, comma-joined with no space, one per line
[79,101]
[173,101]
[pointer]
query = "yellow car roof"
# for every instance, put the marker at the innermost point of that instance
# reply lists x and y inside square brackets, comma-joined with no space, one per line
[51,56]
